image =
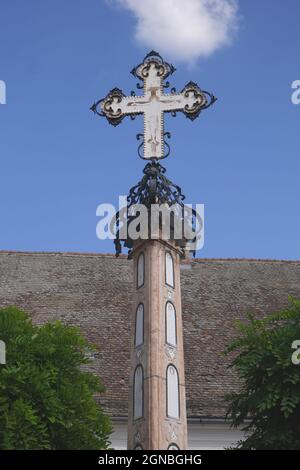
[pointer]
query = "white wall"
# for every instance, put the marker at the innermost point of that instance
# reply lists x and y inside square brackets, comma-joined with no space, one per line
[211,435]
[201,435]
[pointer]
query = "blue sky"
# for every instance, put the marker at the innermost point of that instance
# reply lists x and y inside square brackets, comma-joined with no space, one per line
[58,161]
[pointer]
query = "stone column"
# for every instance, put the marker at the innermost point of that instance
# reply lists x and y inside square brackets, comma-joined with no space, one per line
[157,407]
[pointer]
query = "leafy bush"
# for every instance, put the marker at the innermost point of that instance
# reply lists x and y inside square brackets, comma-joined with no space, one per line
[270,394]
[46,399]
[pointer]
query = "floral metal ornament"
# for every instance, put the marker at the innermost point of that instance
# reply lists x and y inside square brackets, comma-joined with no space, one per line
[109,107]
[153,72]
[163,68]
[154,188]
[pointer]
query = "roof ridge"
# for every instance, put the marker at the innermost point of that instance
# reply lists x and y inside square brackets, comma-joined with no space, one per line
[263,260]
[112,255]
[62,253]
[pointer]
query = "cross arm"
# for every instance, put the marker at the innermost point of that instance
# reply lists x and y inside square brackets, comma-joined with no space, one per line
[191,101]
[115,106]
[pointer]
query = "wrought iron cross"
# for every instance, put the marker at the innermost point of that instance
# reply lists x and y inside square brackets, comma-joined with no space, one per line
[153,104]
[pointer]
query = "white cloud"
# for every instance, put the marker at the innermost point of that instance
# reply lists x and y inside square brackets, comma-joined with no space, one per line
[184,29]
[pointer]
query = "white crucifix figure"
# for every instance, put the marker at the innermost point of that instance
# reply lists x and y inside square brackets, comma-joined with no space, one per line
[153,104]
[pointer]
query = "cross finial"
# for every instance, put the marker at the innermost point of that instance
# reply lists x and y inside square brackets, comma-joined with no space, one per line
[153,72]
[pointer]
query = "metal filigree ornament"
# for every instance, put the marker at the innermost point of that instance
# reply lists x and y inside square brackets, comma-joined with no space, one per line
[154,188]
[109,107]
[198,100]
[153,72]
[153,58]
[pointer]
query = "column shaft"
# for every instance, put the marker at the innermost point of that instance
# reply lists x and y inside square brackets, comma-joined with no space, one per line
[157,361]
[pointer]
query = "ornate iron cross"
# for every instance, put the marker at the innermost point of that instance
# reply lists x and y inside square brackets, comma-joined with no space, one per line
[153,71]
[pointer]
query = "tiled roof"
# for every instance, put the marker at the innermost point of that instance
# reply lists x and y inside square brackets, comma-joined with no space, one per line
[93,291]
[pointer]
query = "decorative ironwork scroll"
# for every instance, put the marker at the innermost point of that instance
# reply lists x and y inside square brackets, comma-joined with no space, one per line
[154,188]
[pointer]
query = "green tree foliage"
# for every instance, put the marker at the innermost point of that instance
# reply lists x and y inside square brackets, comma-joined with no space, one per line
[270,393]
[46,397]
